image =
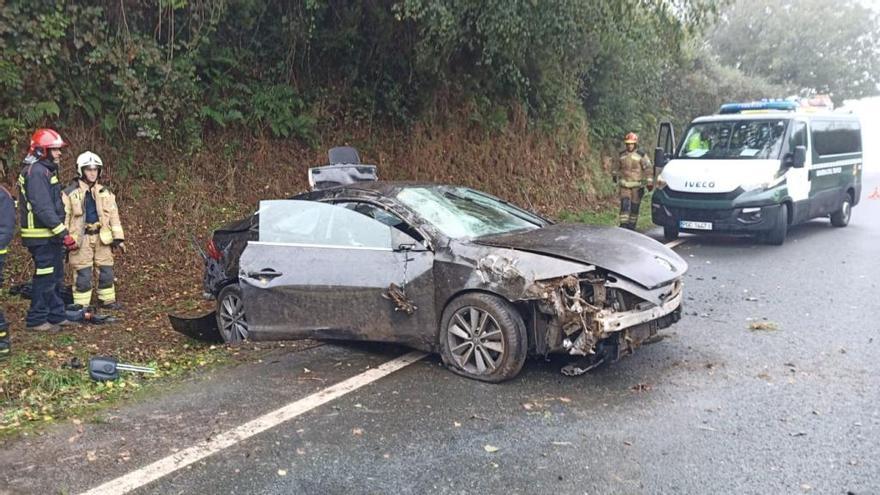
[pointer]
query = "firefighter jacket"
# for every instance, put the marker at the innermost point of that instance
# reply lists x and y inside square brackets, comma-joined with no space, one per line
[108,225]
[40,206]
[7,220]
[633,169]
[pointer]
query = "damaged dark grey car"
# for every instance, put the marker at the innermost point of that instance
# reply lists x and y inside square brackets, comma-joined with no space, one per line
[443,269]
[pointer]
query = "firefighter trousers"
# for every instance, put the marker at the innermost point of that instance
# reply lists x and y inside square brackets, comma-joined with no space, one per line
[630,201]
[92,253]
[46,302]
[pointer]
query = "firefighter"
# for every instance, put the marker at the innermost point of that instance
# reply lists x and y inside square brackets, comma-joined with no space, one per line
[42,229]
[632,173]
[93,220]
[7,230]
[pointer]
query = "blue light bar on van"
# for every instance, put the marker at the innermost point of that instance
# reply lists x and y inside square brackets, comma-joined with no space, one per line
[779,105]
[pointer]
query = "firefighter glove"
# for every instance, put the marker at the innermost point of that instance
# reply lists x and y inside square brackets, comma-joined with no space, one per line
[118,244]
[69,243]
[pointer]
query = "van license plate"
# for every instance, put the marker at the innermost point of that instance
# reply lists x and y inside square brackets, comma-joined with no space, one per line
[686,224]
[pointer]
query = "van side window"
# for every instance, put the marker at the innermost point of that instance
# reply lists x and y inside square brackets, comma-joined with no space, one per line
[836,137]
[798,135]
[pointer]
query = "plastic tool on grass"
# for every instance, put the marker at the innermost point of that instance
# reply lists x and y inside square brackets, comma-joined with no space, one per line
[107,368]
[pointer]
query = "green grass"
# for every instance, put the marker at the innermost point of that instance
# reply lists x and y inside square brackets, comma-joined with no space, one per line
[51,393]
[609,216]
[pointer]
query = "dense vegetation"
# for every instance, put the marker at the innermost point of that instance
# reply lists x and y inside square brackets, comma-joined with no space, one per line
[174,70]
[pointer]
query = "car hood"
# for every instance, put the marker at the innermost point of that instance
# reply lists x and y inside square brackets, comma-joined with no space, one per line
[629,254]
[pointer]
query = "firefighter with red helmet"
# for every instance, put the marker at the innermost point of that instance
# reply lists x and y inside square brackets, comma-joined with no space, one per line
[92,218]
[41,215]
[632,172]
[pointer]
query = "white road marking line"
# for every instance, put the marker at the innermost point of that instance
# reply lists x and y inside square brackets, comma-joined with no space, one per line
[676,242]
[168,465]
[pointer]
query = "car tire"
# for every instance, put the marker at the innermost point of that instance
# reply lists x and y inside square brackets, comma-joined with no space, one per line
[231,319]
[776,237]
[483,337]
[840,217]
[670,233]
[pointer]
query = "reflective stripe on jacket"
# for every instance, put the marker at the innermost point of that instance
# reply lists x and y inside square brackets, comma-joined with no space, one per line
[40,207]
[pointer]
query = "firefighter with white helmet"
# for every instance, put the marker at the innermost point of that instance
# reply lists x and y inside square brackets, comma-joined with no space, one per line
[92,218]
[632,173]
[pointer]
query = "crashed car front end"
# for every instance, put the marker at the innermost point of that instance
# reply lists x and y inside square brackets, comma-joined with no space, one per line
[575,313]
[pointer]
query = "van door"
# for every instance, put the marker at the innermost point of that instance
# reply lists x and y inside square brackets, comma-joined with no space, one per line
[837,149]
[798,179]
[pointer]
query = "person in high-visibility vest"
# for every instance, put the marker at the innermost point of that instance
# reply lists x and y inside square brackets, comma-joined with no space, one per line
[632,173]
[42,229]
[92,218]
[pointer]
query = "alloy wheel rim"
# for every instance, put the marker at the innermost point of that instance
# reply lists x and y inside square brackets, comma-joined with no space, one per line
[847,211]
[232,319]
[475,340]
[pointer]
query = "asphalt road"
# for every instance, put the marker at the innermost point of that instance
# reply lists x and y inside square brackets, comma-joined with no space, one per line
[713,408]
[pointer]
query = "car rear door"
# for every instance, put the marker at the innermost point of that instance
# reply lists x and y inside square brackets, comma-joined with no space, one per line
[324,271]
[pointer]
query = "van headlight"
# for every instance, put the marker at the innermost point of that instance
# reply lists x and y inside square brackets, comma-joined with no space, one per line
[660,183]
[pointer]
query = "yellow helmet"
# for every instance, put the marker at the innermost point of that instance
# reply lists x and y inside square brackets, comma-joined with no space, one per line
[631,138]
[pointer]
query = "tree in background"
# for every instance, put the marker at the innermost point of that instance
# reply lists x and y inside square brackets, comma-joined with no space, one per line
[807,45]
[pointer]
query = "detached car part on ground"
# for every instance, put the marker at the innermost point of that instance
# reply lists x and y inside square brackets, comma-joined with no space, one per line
[443,269]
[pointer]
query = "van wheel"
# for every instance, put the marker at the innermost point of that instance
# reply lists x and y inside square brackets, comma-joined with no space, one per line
[776,237]
[670,233]
[840,218]
[483,337]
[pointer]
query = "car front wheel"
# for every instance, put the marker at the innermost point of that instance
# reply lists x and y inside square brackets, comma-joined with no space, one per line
[483,337]
[231,319]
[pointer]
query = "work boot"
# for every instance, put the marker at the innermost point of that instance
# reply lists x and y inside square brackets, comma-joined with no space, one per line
[112,306]
[5,349]
[66,323]
[45,327]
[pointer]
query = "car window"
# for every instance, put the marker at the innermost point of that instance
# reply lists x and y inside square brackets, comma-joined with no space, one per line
[320,224]
[383,216]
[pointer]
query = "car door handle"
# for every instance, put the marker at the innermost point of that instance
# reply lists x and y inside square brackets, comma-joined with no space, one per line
[265,273]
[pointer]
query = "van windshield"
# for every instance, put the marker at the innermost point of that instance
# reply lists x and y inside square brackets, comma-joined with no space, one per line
[735,139]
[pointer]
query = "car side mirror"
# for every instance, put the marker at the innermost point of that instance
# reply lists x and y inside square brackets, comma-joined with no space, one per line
[799,157]
[401,242]
[660,157]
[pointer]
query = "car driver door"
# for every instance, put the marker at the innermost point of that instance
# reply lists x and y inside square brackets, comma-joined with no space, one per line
[324,271]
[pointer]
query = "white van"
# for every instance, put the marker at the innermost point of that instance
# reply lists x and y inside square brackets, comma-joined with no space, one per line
[757,168]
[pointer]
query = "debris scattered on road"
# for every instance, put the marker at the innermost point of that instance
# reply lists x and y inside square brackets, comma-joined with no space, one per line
[751,299]
[798,434]
[490,448]
[641,387]
[561,444]
[357,432]
[282,472]
[763,325]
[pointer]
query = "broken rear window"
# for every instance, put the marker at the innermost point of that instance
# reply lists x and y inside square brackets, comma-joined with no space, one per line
[459,212]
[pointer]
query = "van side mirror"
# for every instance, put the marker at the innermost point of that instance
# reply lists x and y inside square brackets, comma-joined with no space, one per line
[799,157]
[660,157]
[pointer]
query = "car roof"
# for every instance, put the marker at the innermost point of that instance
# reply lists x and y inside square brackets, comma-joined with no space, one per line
[772,116]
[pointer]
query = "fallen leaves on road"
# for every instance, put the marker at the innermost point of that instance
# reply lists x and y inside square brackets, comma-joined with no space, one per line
[641,387]
[763,325]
